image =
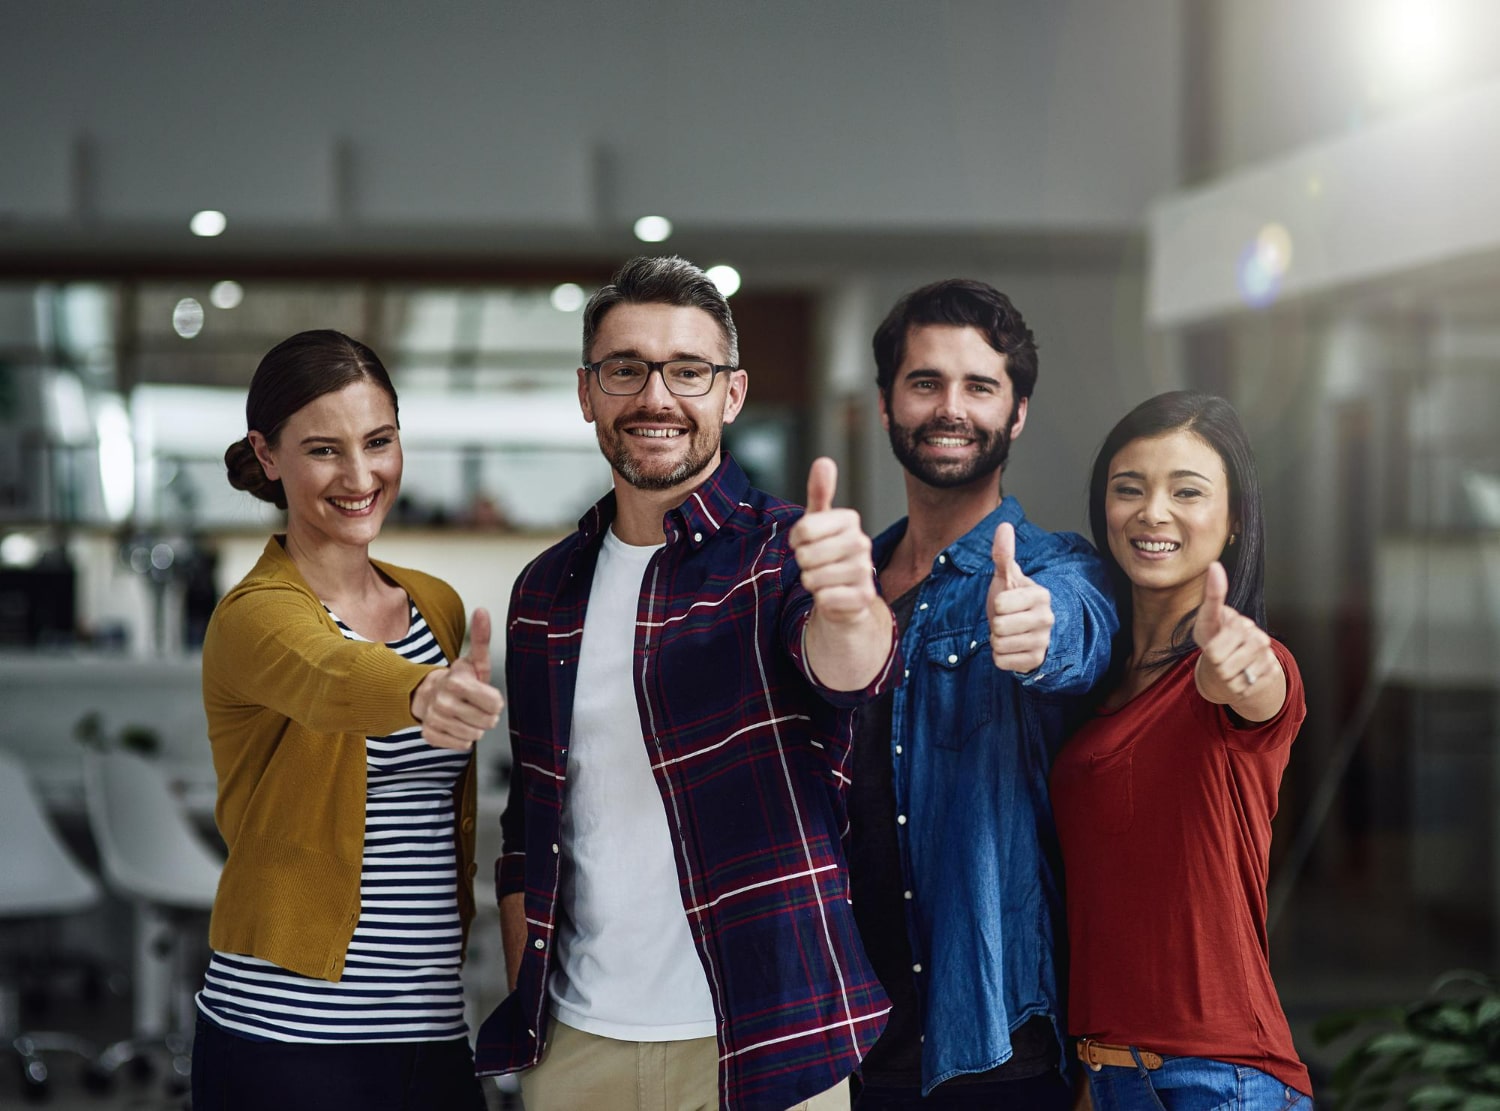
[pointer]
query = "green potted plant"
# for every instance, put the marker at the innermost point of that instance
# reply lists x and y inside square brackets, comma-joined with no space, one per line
[1441,1053]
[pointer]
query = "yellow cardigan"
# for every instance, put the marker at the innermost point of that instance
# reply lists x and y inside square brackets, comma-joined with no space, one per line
[290,702]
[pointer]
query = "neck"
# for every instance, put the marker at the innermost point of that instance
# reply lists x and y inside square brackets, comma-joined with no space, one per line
[335,572]
[937,516]
[1156,614]
[639,513]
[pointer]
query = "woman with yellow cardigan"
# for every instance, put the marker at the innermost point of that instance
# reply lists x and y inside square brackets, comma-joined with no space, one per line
[343,721]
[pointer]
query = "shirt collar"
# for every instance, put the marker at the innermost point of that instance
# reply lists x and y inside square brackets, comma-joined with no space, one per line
[970,553]
[701,514]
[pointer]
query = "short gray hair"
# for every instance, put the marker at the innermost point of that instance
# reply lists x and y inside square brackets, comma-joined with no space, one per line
[661,280]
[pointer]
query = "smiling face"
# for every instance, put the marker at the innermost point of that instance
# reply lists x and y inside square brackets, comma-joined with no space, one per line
[951,413]
[656,440]
[339,460]
[1167,504]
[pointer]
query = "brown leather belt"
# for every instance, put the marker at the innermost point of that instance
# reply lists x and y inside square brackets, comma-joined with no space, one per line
[1096,1055]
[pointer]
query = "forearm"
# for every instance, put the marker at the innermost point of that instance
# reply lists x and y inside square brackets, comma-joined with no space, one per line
[848,654]
[513,935]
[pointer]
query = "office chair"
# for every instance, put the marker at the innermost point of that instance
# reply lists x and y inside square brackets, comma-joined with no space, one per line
[152,857]
[39,881]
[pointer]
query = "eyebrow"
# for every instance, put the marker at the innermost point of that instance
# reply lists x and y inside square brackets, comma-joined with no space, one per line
[384,428]
[1174,474]
[930,372]
[679,356]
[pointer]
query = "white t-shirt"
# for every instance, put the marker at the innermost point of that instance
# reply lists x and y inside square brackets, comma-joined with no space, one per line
[626,966]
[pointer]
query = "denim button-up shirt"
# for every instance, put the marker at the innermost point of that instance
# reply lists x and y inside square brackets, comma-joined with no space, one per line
[971,748]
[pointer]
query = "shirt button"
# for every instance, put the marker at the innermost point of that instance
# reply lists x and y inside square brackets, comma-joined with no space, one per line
[900,819]
[973,644]
[916,968]
[554,848]
[539,944]
[953,659]
[906,673]
[922,606]
[907,894]
[697,538]
[530,1033]
[942,559]
[898,750]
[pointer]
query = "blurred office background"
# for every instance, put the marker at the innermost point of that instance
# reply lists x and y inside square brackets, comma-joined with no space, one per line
[1286,201]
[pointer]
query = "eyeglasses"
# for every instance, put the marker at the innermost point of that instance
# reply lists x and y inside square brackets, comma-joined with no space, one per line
[683,377]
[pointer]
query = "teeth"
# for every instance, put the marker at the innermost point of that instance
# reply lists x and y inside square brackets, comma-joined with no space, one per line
[1156,545]
[656,433]
[947,441]
[353,506]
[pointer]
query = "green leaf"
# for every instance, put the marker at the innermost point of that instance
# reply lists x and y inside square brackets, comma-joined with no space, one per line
[1480,1102]
[1488,1011]
[1435,1096]
[1466,976]
[1398,1041]
[1450,1055]
[1448,1020]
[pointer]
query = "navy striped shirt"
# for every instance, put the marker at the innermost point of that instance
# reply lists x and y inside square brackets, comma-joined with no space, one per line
[401,973]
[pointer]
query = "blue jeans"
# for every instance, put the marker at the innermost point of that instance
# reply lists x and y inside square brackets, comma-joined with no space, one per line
[1191,1084]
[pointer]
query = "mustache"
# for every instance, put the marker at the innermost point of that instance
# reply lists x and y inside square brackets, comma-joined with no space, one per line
[948,428]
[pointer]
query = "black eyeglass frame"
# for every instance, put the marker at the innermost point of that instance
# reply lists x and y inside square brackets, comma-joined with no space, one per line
[715,370]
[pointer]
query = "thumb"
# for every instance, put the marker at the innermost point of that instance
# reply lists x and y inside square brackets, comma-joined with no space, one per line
[1003,552]
[479,643]
[821,481]
[1211,612]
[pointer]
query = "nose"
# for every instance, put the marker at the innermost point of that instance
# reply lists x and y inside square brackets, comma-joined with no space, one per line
[950,404]
[357,471]
[1154,508]
[654,394]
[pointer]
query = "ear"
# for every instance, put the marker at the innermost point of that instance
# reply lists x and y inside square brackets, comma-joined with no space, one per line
[585,402]
[734,399]
[1018,422]
[885,411]
[263,453]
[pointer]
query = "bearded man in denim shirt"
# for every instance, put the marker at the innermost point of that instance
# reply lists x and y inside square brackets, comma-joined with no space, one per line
[953,856]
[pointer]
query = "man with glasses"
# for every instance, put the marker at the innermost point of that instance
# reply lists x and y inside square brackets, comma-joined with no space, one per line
[682,673]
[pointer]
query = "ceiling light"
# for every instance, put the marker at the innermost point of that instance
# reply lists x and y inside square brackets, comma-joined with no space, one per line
[208,223]
[568,297]
[226,295]
[726,278]
[653,229]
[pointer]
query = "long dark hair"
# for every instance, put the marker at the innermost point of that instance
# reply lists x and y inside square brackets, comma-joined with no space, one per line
[295,372]
[1214,421]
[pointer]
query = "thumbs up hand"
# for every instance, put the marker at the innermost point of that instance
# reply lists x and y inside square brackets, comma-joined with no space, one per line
[1237,659]
[833,551]
[457,704]
[1019,610]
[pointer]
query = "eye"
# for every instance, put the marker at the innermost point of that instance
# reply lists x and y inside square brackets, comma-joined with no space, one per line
[980,387]
[1124,490]
[322,452]
[622,370]
[382,441]
[1189,492]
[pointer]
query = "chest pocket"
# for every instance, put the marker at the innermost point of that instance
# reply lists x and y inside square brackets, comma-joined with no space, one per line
[961,689]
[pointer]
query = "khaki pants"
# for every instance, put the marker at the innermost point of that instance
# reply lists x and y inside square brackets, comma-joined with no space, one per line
[584,1072]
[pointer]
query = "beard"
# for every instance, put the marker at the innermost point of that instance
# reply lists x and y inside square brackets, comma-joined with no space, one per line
[993,449]
[652,474]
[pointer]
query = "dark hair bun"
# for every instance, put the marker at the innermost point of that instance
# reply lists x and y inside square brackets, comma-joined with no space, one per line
[246,473]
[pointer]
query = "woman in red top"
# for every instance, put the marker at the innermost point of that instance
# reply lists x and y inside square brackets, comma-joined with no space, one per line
[1164,798]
